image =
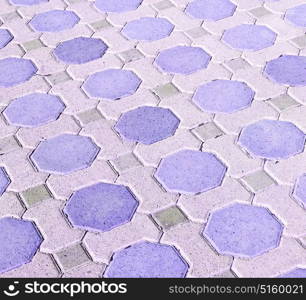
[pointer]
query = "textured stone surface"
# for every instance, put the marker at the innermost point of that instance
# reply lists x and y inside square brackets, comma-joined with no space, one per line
[5,37]
[117,6]
[297,15]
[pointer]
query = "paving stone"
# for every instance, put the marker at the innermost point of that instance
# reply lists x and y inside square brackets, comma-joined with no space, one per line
[88,116]
[130,55]
[89,270]
[32,45]
[27,2]
[258,181]
[4,180]
[283,102]
[299,41]
[99,25]
[117,6]
[35,195]
[296,15]
[5,37]
[259,12]
[164,4]
[8,144]
[207,131]
[147,259]
[58,78]
[296,273]
[125,162]
[169,217]
[300,189]
[166,90]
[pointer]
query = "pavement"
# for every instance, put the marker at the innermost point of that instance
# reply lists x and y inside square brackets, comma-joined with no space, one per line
[154,138]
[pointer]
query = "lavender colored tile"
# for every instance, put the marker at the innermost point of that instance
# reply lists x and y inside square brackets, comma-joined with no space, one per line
[4,180]
[117,6]
[27,2]
[147,29]
[65,154]
[272,139]
[101,207]
[19,241]
[147,260]
[243,230]
[297,15]
[54,20]
[147,124]
[249,37]
[33,110]
[213,10]
[224,96]
[299,192]
[15,71]
[287,69]
[182,60]
[296,273]
[80,50]
[190,172]
[112,84]
[5,37]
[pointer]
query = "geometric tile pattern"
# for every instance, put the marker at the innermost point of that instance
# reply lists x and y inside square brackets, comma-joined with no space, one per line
[161,138]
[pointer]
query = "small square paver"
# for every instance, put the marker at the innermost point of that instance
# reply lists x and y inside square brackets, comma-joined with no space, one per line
[99,25]
[300,41]
[8,144]
[125,162]
[259,12]
[166,90]
[283,102]
[57,78]
[89,116]
[32,45]
[71,257]
[169,217]
[164,4]
[196,33]
[258,181]
[207,131]
[35,195]
[130,55]
[237,64]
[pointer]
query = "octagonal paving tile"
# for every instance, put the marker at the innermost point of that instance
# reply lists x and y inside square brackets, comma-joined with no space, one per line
[101,207]
[147,260]
[15,71]
[80,50]
[4,180]
[33,110]
[287,69]
[190,172]
[112,84]
[224,96]
[117,6]
[5,37]
[297,15]
[147,124]
[54,20]
[243,230]
[249,37]
[64,154]
[299,191]
[27,2]
[296,273]
[272,139]
[212,10]
[19,241]
[147,29]
[182,60]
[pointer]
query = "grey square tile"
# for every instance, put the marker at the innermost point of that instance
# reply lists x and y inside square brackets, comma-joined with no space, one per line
[130,55]
[32,45]
[99,25]
[34,195]
[259,12]
[166,90]
[258,181]
[237,64]
[169,217]
[164,4]
[125,162]
[283,102]
[300,41]
[196,33]
[89,116]
[57,78]
[207,131]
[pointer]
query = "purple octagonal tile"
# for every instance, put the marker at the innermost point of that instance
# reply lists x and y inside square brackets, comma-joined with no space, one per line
[64,154]
[249,37]
[4,181]
[101,207]
[19,241]
[296,273]
[147,29]
[5,37]
[117,6]
[182,60]
[54,21]
[243,230]
[190,172]
[272,139]
[27,2]
[287,69]
[297,15]
[223,96]
[80,50]
[299,192]
[147,124]
[112,84]
[15,71]
[213,10]
[33,110]
[147,260]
